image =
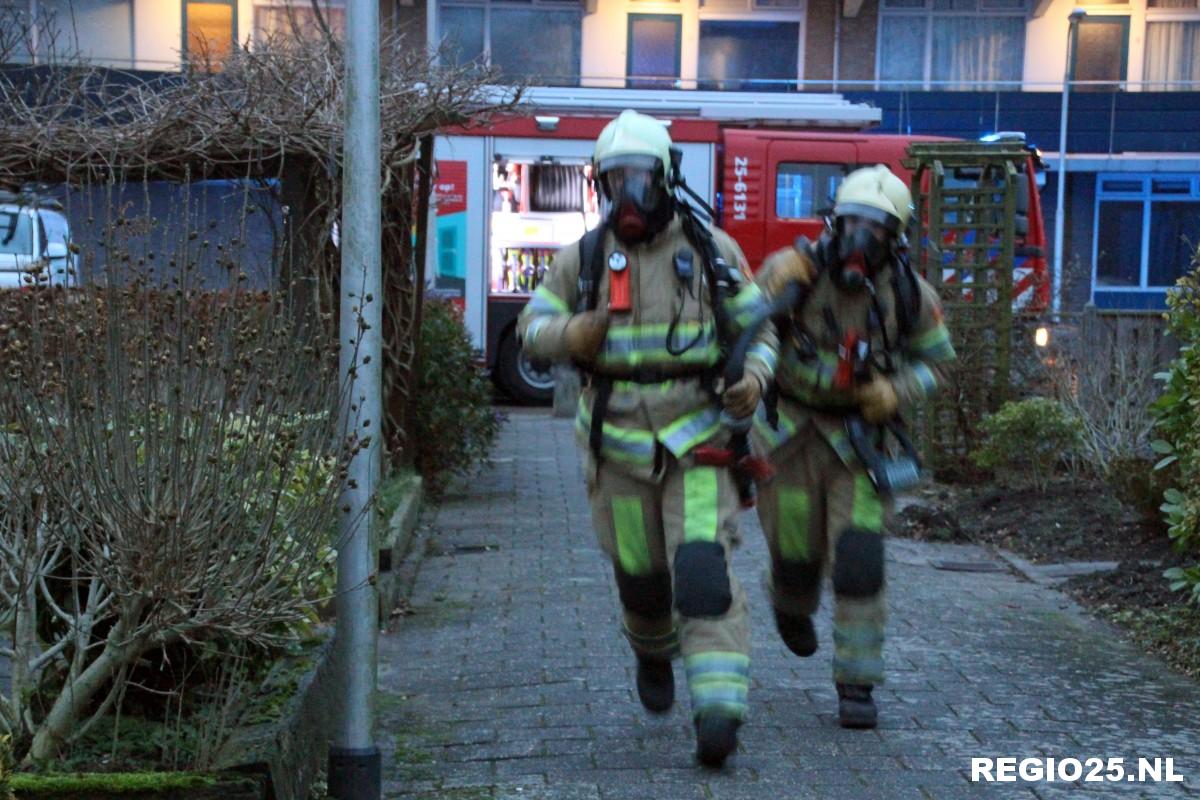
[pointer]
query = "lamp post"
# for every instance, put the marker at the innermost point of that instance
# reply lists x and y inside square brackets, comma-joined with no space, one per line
[354,759]
[1056,289]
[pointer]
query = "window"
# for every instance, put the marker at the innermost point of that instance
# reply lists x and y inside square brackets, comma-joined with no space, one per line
[1172,59]
[654,49]
[209,31]
[1147,230]
[951,44]
[296,19]
[1101,52]
[1119,243]
[803,191]
[16,234]
[55,227]
[535,40]
[749,56]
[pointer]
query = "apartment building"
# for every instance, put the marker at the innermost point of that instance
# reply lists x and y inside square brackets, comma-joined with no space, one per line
[952,67]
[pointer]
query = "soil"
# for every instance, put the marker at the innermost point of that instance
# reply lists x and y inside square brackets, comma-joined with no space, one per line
[1074,520]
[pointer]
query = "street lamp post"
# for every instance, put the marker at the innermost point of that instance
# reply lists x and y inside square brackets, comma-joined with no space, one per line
[354,759]
[1056,289]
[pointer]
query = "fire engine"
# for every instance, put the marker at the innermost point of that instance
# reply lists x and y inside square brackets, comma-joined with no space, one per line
[509,194]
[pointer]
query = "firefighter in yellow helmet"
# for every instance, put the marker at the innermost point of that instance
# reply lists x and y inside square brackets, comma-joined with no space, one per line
[864,340]
[640,306]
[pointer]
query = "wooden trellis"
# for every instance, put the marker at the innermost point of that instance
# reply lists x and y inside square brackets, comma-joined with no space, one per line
[966,196]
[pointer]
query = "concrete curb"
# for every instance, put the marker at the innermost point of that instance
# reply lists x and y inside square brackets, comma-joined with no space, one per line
[394,543]
[290,752]
[1052,574]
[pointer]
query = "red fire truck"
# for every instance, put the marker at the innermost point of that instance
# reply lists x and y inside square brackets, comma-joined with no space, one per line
[509,195]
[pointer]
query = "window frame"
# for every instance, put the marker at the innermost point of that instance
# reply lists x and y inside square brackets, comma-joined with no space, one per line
[629,20]
[183,7]
[1163,15]
[788,16]
[927,13]
[846,169]
[1147,197]
[757,13]
[1125,19]
[257,4]
[488,5]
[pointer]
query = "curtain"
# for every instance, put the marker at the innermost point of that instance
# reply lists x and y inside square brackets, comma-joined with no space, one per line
[1172,54]
[278,19]
[977,50]
[902,51]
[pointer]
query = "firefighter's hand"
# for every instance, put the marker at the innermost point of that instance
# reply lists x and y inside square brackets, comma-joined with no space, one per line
[877,400]
[741,399]
[787,266]
[585,335]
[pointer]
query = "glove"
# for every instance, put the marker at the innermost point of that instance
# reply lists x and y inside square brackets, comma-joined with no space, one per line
[788,265]
[584,335]
[877,400]
[742,398]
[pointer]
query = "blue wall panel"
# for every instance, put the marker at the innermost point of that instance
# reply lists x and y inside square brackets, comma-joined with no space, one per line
[1100,122]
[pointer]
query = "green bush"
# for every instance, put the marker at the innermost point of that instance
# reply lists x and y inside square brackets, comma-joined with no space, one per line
[1028,438]
[1138,484]
[1177,412]
[452,421]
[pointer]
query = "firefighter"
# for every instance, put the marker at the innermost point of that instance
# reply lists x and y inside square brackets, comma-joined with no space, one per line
[865,340]
[638,306]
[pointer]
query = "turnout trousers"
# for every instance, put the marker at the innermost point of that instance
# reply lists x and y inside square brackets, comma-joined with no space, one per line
[671,543]
[821,516]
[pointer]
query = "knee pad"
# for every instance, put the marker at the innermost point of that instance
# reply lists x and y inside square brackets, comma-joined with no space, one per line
[702,580]
[789,573]
[858,564]
[645,595]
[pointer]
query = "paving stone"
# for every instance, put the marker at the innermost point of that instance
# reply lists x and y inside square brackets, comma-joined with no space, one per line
[512,680]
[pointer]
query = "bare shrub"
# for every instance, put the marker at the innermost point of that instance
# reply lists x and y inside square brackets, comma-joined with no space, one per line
[169,452]
[1110,390]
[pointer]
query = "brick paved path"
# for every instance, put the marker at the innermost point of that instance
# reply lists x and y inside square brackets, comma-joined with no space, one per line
[510,679]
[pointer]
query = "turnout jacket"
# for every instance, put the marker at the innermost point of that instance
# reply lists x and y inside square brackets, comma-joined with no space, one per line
[661,356]
[809,357]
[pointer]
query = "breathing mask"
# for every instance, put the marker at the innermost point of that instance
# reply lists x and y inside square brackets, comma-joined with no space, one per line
[860,255]
[640,205]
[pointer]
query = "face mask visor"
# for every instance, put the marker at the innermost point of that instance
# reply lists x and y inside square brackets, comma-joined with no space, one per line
[633,179]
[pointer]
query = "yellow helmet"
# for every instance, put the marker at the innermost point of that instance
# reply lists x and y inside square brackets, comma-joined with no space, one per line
[633,140]
[876,194]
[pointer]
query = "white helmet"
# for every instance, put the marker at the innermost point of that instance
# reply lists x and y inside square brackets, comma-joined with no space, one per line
[875,193]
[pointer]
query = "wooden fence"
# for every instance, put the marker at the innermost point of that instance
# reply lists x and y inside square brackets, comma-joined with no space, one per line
[1140,337]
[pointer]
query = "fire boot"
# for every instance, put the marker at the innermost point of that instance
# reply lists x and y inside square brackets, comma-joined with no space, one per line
[856,709]
[716,738]
[797,633]
[655,684]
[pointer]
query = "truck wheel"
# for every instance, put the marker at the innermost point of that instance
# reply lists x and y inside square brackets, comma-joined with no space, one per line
[522,378]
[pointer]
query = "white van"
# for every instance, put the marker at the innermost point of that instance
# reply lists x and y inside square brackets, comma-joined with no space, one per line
[34,243]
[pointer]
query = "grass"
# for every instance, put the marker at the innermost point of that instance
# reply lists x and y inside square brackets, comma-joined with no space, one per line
[133,783]
[392,492]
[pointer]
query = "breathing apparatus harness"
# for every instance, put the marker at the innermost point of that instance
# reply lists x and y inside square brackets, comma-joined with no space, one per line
[888,471]
[721,279]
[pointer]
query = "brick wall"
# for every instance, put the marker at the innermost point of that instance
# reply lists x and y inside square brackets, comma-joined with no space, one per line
[858,43]
[818,42]
[410,20]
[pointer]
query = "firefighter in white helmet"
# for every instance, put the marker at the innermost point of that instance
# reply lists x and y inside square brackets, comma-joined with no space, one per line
[636,305]
[865,339]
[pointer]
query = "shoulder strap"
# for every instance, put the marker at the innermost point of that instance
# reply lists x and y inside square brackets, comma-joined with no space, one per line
[908,297]
[591,266]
